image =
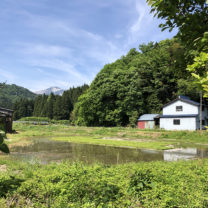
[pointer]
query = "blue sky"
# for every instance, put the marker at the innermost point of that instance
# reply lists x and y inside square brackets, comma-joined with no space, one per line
[66,43]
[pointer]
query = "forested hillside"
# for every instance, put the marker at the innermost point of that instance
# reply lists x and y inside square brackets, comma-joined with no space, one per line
[140,82]
[9,94]
[51,106]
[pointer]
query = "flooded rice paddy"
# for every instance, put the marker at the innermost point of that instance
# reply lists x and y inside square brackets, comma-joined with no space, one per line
[46,151]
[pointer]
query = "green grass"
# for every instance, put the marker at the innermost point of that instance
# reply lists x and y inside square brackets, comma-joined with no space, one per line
[66,185]
[75,185]
[116,136]
[159,145]
[43,119]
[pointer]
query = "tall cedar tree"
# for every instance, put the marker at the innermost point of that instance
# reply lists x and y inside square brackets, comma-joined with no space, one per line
[53,107]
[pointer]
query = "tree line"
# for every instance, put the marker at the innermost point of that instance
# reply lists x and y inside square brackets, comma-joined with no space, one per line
[9,94]
[140,82]
[191,19]
[145,79]
[52,106]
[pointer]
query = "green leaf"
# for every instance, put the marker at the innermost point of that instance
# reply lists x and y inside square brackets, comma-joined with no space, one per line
[1,139]
[4,148]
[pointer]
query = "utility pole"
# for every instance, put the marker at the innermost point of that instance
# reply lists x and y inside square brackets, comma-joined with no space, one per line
[200,115]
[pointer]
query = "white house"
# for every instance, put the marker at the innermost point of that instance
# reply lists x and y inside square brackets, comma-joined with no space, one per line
[183,114]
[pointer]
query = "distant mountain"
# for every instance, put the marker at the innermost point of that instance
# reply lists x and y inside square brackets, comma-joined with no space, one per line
[11,93]
[54,90]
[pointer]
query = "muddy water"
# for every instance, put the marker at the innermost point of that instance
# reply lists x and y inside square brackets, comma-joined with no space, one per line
[46,151]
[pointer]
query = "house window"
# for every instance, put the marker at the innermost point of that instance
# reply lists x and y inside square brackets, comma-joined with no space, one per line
[202,107]
[203,122]
[179,108]
[176,122]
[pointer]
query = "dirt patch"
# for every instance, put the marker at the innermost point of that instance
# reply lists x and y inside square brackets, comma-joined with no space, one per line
[121,134]
[114,138]
[126,139]
[3,168]
[153,135]
[19,143]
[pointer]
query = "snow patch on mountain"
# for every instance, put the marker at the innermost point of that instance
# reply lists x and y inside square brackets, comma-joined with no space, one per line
[54,90]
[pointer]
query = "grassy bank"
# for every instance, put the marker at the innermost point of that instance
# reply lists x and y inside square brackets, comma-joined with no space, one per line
[116,136]
[75,185]
[155,184]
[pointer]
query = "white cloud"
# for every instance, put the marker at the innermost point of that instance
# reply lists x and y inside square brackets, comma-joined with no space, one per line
[142,23]
[118,36]
[7,76]
[78,38]
[42,50]
[65,50]
[142,10]
[59,65]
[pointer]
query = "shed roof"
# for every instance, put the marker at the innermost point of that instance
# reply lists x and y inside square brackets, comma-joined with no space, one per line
[148,117]
[5,111]
[2,115]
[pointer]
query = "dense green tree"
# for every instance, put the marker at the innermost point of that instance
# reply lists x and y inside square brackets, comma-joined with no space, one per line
[67,105]
[74,93]
[2,84]
[189,17]
[37,105]
[57,108]
[199,68]
[9,94]
[51,106]
[43,106]
[140,82]
[3,147]
[48,106]
[23,108]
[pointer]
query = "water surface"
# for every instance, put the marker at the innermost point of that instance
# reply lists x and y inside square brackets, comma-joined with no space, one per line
[46,151]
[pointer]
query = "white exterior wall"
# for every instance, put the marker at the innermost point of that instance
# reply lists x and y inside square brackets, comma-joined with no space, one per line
[187,108]
[185,124]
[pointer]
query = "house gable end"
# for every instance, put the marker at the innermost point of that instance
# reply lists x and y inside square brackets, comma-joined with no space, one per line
[191,102]
[180,107]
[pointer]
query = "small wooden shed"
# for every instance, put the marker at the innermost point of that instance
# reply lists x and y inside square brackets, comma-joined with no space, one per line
[6,119]
[148,121]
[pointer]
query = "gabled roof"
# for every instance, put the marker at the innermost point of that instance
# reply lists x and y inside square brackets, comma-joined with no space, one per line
[183,99]
[147,117]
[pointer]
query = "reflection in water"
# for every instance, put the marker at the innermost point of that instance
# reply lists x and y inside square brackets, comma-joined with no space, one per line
[47,151]
[185,154]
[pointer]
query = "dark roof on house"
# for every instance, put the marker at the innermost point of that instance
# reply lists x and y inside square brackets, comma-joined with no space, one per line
[179,116]
[147,117]
[183,99]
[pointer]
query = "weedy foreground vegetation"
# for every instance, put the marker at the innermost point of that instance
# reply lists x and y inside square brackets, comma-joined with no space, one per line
[67,185]
[155,184]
